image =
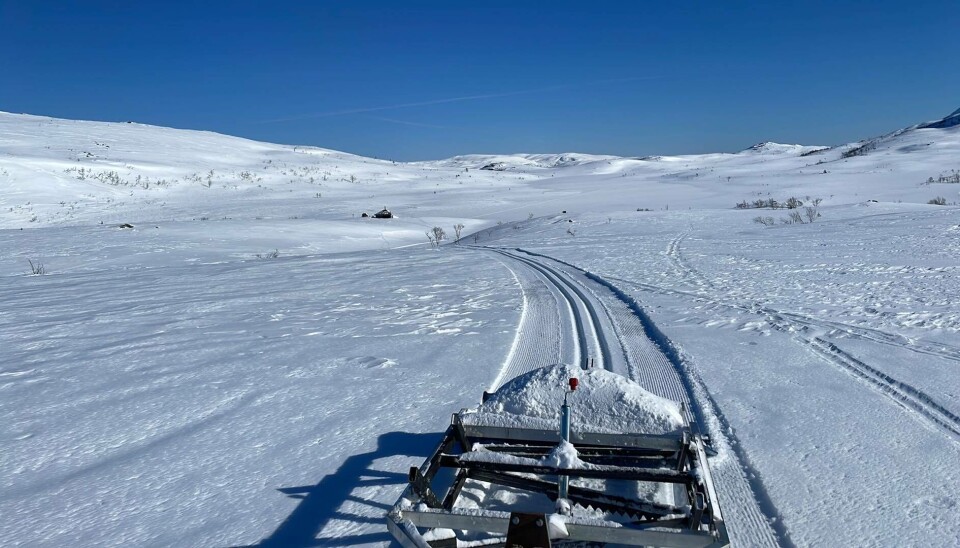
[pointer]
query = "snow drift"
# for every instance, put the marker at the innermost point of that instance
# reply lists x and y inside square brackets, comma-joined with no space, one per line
[604,402]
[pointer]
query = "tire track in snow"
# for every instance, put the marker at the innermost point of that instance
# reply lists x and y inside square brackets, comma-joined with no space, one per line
[655,362]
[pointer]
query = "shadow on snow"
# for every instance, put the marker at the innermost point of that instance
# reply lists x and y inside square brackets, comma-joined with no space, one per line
[320,504]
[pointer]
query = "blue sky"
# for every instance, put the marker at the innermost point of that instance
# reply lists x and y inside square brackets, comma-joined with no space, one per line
[424,80]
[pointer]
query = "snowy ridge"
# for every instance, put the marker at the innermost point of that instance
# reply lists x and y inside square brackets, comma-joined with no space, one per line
[769,147]
[516,161]
[57,172]
[904,140]
[950,120]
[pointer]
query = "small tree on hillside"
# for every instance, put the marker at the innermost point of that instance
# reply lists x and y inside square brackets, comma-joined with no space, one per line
[438,234]
[457,229]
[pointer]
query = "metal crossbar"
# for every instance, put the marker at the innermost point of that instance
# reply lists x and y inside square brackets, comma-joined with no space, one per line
[513,458]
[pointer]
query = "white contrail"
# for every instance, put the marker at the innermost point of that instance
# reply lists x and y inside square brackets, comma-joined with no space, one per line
[406,122]
[457,99]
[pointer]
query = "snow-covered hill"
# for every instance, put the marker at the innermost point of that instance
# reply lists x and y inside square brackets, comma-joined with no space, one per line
[222,351]
[57,172]
[948,121]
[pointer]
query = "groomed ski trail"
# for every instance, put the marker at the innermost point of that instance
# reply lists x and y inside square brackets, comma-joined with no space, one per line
[642,353]
[588,327]
[537,342]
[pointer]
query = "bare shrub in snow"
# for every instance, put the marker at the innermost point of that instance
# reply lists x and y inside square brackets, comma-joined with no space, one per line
[271,255]
[953,176]
[812,213]
[858,151]
[796,217]
[790,203]
[767,221]
[939,200]
[36,269]
[457,229]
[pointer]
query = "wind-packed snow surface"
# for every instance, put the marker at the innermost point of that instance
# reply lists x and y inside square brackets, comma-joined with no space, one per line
[249,361]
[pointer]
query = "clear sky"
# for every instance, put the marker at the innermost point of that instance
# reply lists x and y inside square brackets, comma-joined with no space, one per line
[409,80]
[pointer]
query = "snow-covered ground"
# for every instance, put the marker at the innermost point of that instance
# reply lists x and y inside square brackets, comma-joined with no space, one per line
[252,362]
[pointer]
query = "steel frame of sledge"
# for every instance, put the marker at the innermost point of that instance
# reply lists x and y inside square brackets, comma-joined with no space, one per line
[679,459]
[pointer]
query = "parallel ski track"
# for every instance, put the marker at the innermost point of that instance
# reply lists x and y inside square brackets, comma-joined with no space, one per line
[641,359]
[647,356]
[538,342]
[589,330]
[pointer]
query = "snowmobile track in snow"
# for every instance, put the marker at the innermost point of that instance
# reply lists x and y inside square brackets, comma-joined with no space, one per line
[647,356]
[901,393]
[689,273]
[916,402]
[929,348]
[686,271]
